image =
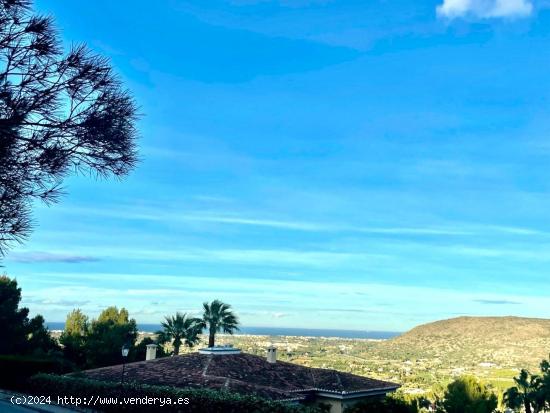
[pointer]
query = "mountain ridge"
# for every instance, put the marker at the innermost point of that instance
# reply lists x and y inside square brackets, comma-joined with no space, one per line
[508,341]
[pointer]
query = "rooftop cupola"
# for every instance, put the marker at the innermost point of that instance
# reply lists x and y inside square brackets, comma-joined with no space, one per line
[220,350]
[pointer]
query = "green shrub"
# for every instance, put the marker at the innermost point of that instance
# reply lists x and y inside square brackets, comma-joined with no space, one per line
[468,395]
[16,370]
[200,400]
[386,405]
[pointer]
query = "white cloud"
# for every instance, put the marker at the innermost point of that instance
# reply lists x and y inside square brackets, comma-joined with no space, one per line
[485,8]
[279,315]
[454,8]
[161,214]
[512,8]
[40,256]
[298,301]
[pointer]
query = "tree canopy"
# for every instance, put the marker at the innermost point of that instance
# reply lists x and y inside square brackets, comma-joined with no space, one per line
[59,113]
[112,330]
[531,392]
[74,335]
[180,329]
[77,323]
[468,395]
[21,335]
[218,317]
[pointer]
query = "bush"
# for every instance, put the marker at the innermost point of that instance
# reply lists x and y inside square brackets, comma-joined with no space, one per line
[468,395]
[386,405]
[200,400]
[16,370]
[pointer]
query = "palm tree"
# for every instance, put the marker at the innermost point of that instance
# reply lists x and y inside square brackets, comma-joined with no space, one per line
[180,329]
[218,317]
[526,393]
[544,381]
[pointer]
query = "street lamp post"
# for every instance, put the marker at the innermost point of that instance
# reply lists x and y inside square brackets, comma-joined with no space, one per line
[125,350]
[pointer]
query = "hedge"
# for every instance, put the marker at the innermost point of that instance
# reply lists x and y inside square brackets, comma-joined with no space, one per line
[16,370]
[200,400]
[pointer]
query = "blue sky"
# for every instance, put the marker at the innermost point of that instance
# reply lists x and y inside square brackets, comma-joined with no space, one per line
[338,164]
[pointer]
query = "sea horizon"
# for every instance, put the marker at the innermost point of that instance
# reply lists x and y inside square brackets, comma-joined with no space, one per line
[277,331]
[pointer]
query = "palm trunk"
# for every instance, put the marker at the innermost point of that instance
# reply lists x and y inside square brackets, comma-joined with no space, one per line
[527,406]
[176,350]
[211,338]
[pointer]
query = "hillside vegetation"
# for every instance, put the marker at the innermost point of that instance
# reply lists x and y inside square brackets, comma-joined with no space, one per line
[492,348]
[423,360]
[467,341]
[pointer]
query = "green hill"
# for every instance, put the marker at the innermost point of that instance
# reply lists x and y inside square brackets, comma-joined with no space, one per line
[510,342]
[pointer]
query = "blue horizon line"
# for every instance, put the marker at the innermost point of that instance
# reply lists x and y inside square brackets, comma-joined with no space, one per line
[278,331]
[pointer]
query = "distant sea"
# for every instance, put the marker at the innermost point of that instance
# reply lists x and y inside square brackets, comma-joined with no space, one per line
[279,331]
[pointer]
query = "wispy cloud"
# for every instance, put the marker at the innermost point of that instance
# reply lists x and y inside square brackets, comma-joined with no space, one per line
[250,298]
[321,227]
[413,231]
[154,213]
[40,256]
[485,9]
[496,302]
[530,254]
[161,214]
[517,230]
[280,257]
[221,219]
[310,258]
[343,310]
[55,302]
[279,315]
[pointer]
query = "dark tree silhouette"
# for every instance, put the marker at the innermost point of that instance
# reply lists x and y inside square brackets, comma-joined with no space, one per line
[20,335]
[13,320]
[74,336]
[218,317]
[113,329]
[59,113]
[180,329]
[530,391]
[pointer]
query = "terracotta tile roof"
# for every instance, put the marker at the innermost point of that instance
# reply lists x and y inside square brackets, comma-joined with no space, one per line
[242,373]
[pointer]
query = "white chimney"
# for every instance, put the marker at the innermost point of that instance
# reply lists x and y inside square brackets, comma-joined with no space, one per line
[272,354]
[151,353]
